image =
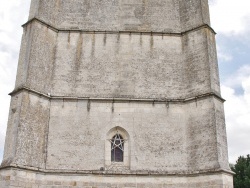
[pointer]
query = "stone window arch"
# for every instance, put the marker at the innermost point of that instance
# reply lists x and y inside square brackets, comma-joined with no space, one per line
[117,147]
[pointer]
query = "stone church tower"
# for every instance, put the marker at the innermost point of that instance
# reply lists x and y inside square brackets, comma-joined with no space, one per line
[117,93]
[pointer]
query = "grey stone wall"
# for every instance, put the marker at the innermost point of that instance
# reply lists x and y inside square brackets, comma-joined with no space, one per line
[136,15]
[71,134]
[11,133]
[174,139]
[139,15]
[130,65]
[118,65]
[221,135]
[213,62]
[37,58]
[77,136]
[193,13]
[196,64]
[200,135]
[25,141]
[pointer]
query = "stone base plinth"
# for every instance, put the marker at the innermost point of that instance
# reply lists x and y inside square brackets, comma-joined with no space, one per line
[21,178]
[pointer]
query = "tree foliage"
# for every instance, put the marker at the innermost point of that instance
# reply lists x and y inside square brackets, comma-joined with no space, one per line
[242,172]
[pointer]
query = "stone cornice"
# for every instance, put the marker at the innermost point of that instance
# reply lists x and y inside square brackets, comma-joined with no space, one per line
[54,28]
[119,173]
[153,100]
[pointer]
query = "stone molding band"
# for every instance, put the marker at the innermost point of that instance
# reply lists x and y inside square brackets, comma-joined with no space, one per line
[161,100]
[119,32]
[123,173]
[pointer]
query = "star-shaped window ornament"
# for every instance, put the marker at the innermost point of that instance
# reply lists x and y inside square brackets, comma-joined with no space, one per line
[117,148]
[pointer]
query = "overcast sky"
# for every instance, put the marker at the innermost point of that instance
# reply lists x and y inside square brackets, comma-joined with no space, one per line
[230,19]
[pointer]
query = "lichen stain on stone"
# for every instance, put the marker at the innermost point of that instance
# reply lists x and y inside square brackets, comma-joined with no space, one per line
[141,41]
[117,44]
[118,37]
[93,46]
[53,63]
[184,43]
[78,52]
[68,45]
[151,45]
[151,42]
[105,39]
[63,103]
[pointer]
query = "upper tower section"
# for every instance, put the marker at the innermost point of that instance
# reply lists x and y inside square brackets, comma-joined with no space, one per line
[119,49]
[173,16]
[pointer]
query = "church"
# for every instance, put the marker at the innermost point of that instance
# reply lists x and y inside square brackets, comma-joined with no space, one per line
[117,94]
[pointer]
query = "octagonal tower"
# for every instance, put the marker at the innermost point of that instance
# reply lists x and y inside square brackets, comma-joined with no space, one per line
[117,93]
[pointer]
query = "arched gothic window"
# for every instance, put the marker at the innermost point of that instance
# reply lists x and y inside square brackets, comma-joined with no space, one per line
[117,148]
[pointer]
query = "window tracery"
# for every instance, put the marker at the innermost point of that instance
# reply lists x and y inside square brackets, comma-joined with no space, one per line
[117,148]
